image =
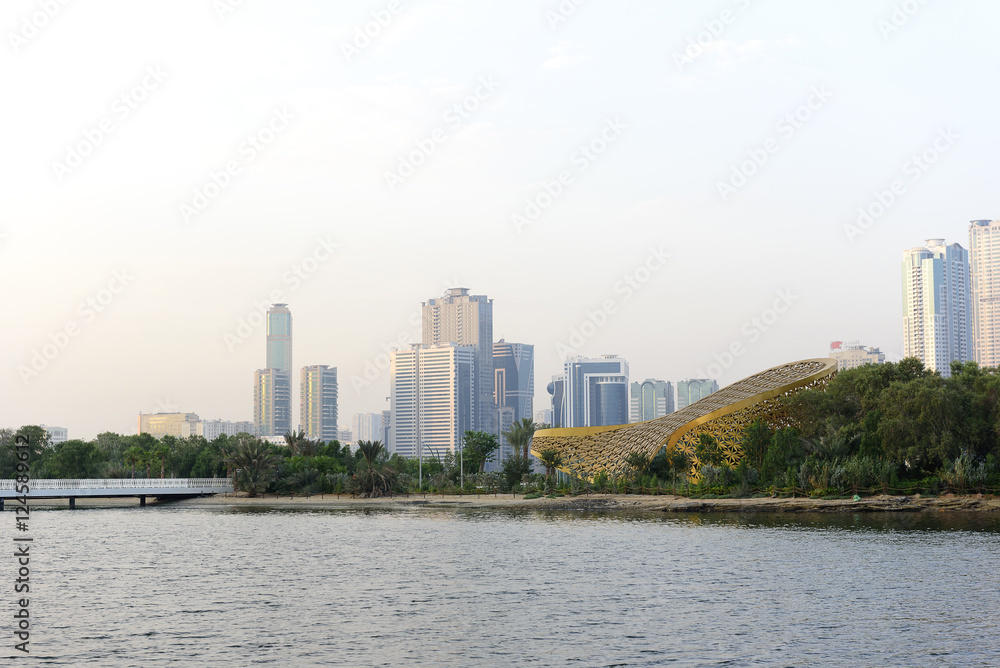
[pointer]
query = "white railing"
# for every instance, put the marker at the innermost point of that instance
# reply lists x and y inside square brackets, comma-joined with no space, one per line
[122,483]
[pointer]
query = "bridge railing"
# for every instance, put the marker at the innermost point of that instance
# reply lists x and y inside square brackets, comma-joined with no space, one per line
[122,483]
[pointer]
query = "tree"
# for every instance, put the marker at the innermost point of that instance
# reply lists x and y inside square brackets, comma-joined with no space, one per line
[514,468]
[755,442]
[298,444]
[161,452]
[708,452]
[254,463]
[552,460]
[374,479]
[638,462]
[520,435]
[679,460]
[133,455]
[478,447]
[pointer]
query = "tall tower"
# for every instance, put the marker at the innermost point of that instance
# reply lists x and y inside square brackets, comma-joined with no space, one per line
[937,320]
[318,402]
[596,391]
[651,399]
[272,393]
[272,401]
[279,338]
[694,389]
[984,273]
[514,377]
[431,399]
[466,320]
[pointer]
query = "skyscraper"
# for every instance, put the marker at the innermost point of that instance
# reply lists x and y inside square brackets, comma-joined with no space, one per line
[318,402]
[514,377]
[557,388]
[596,391]
[272,385]
[937,320]
[693,389]
[466,320]
[431,391]
[272,401]
[279,338]
[984,271]
[367,427]
[651,399]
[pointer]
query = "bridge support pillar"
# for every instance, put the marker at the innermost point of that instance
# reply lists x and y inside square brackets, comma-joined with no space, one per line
[1,504]
[142,500]
[72,502]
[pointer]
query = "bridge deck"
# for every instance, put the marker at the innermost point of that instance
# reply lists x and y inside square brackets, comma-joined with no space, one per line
[109,487]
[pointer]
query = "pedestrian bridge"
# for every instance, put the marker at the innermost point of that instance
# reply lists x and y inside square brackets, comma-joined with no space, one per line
[162,488]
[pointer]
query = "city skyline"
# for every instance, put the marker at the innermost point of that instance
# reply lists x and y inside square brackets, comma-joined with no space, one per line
[600,177]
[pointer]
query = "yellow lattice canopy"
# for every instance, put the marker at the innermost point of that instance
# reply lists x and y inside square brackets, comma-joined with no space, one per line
[725,415]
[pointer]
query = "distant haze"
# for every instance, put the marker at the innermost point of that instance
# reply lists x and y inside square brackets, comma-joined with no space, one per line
[678,175]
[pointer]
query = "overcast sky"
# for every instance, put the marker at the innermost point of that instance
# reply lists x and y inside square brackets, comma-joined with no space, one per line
[667,170]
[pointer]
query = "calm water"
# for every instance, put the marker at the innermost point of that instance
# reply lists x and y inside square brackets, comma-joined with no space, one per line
[230,586]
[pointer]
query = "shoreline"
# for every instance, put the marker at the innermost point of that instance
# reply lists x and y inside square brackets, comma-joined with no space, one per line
[604,502]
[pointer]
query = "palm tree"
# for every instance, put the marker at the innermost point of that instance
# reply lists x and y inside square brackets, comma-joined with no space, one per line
[298,444]
[133,455]
[552,460]
[254,464]
[373,481]
[148,458]
[520,434]
[161,452]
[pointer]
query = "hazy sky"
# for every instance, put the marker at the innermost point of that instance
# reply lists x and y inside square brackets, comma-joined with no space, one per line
[169,166]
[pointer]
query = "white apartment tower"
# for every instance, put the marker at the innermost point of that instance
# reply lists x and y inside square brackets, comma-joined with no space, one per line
[431,402]
[937,319]
[984,274]
[462,319]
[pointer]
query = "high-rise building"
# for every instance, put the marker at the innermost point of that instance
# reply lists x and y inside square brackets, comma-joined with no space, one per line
[466,320]
[56,434]
[851,354]
[159,425]
[596,391]
[937,320]
[694,389]
[984,274]
[386,430]
[514,377]
[212,429]
[346,437]
[544,416]
[651,399]
[318,402]
[431,398]
[279,338]
[557,388]
[272,403]
[367,427]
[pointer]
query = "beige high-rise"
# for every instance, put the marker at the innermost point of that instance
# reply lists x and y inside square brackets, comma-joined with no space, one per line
[984,270]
